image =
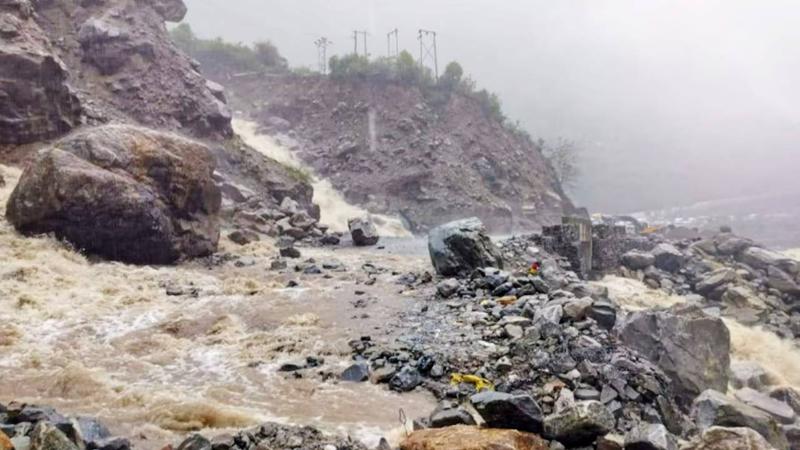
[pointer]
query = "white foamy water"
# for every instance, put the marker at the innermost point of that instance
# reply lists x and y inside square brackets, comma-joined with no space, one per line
[779,357]
[104,339]
[793,253]
[335,210]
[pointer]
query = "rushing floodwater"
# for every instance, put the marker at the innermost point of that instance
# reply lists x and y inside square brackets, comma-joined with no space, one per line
[105,339]
[780,357]
[335,209]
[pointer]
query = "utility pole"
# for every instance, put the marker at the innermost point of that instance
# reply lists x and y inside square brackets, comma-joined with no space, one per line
[428,50]
[356,34]
[322,54]
[396,34]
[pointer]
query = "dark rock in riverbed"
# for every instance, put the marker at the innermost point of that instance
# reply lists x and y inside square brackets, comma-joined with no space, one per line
[358,372]
[405,380]
[668,258]
[461,247]
[363,232]
[501,410]
[446,415]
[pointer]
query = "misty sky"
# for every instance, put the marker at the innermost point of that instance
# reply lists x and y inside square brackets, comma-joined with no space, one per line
[672,101]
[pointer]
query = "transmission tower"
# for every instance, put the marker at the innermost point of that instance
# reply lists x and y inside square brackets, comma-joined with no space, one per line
[396,35]
[322,54]
[356,34]
[428,51]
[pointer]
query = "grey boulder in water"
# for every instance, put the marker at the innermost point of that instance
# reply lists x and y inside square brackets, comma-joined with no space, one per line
[124,193]
[460,247]
[691,347]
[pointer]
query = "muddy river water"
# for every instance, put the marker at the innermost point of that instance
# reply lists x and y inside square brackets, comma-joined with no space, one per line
[108,340]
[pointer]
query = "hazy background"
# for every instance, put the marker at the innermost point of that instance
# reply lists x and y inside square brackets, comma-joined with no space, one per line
[673,102]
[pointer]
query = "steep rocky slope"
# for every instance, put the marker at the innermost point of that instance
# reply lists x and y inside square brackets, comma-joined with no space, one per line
[389,148]
[70,66]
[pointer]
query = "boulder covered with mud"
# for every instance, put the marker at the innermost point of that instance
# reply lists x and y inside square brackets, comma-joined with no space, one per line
[124,193]
[691,347]
[460,247]
[463,437]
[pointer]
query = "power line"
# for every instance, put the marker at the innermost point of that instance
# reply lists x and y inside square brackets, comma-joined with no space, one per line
[356,34]
[322,54]
[428,50]
[396,34]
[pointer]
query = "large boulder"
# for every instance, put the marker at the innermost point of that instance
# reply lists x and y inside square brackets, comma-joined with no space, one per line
[712,408]
[691,347]
[363,232]
[721,438]
[463,437]
[760,258]
[36,101]
[45,436]
[124,193]
[667,257]
[459,247]
[782,281]
[714,281]
[501,410]
[637,260]
[779,410]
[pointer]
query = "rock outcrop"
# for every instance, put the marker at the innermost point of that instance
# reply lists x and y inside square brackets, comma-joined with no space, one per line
[692,348]
[65,62]
[462,246]
[124,193]
[36,100]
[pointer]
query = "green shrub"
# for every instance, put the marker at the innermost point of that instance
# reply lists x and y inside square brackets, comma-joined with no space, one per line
[216,54]
[452,75]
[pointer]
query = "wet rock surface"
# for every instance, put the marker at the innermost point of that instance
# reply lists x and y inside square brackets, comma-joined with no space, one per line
[272,435]
[458,248]
[363,232]
[691,347]
[125,193]
[37,101]
[24,426]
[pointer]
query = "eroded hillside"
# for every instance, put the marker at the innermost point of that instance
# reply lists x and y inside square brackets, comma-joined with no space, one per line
[389,148]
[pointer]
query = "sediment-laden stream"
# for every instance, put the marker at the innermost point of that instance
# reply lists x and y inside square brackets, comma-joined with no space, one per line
[779,357]
[160,351]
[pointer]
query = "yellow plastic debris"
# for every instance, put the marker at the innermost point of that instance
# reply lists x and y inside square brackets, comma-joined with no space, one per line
[650,230]
[480,384]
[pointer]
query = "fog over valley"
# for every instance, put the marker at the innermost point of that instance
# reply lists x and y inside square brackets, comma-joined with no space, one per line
[672,102]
